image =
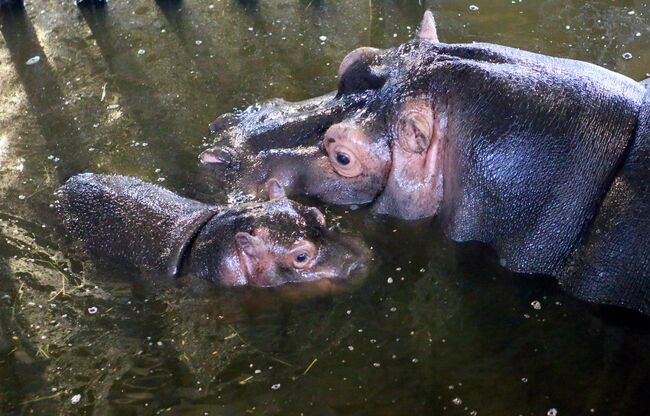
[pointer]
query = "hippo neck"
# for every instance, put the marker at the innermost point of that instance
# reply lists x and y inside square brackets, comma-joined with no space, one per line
[531,186]
[212,254]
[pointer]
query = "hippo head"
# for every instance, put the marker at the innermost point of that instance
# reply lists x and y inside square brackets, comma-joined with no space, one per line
[428,128]
[274,243]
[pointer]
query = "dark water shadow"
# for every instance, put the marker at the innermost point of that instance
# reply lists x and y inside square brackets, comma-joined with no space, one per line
[44,94]
[20,373]
[155,120]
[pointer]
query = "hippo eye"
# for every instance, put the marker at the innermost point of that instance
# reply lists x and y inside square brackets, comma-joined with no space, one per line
[343,159]
[301,258]
[302,254]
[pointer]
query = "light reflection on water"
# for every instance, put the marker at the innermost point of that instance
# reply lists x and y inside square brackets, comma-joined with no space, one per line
[437,328]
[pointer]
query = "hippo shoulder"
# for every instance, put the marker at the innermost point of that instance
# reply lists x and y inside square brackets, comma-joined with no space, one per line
[612,265]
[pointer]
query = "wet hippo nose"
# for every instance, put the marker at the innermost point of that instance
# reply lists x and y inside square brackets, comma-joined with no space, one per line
[223,122]
[220,156]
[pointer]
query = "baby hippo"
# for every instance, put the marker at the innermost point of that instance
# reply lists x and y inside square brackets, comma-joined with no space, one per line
[264,244]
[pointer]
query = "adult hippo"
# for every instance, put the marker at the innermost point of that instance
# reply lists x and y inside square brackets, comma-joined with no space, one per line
[545,159]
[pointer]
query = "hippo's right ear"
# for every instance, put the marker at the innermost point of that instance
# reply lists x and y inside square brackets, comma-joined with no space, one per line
[275,190]
[249,244]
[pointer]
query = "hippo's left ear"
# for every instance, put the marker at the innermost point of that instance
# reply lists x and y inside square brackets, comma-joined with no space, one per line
[427,30]
[275,190]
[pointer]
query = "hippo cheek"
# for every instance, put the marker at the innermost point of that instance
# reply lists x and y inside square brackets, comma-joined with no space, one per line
[306,171]
[322,182]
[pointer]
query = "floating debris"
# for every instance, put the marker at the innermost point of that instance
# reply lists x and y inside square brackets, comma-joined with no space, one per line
[33,60]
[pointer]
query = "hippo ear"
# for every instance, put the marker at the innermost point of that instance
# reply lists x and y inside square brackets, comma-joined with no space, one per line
[315,212]
[414,128]
[275,190]
[427,30]
[361,70]
[249,244]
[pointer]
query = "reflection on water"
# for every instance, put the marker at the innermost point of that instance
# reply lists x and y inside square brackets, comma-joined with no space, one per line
[437,328]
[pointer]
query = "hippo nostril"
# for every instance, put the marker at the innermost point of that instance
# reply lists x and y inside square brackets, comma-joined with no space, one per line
[223,122]
[221,156]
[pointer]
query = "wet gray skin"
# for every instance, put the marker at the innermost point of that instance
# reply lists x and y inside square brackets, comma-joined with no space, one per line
[507,147]
[125,220]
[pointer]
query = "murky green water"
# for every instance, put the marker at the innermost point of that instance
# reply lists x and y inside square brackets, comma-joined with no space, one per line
[438,328]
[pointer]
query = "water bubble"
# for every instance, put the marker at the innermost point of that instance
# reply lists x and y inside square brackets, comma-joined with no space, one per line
[537,305]
[627,56]
[75,399]
[473,8]
[276,386]
[457,401]
[389,280]
[322,38]
[198,42]
[552,412]
[33,60]
[92,310]
[141,52]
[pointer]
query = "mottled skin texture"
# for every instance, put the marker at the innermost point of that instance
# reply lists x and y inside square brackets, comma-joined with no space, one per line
[264,244]
[530,154]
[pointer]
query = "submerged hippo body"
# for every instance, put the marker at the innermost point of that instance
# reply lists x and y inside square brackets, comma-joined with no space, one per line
[544,159]
[271,243]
